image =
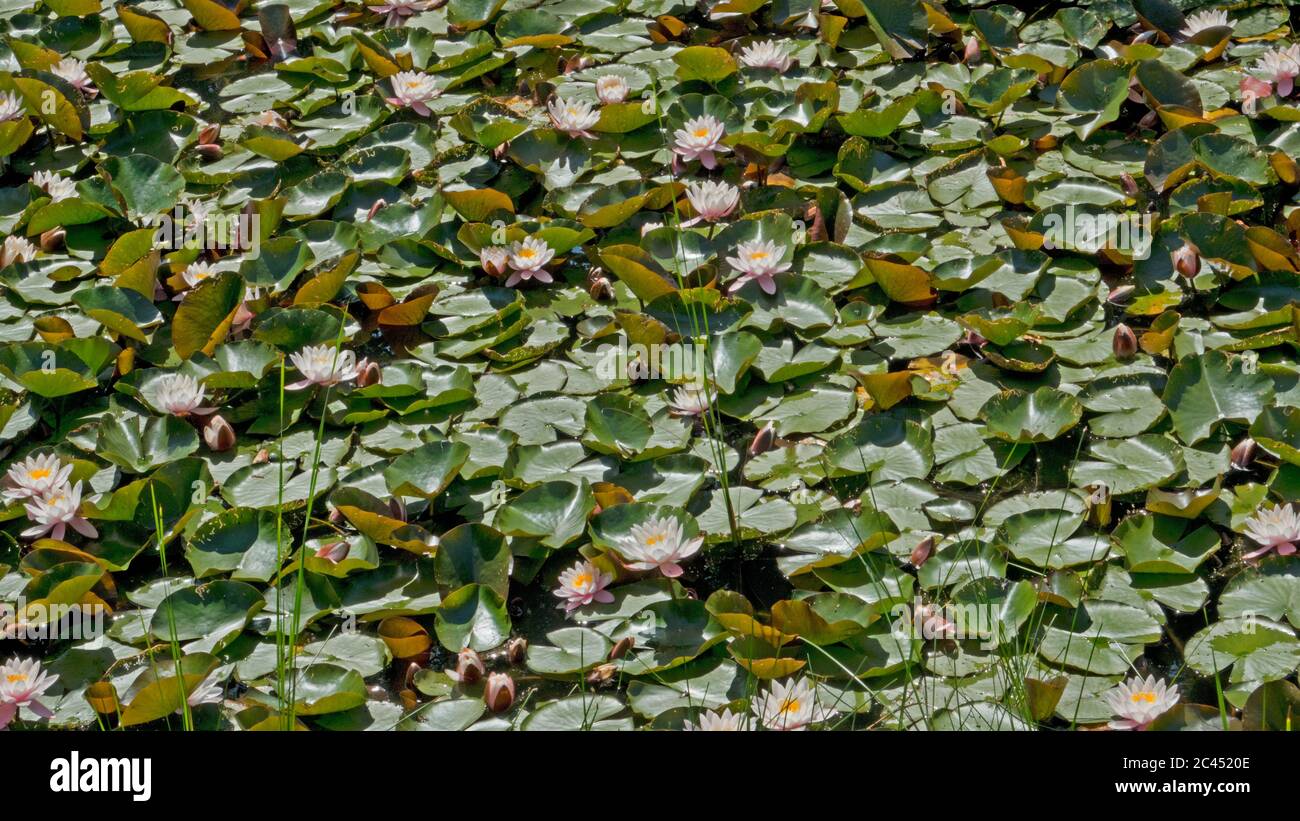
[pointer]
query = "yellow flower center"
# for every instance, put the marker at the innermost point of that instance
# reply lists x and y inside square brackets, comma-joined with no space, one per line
[790,705]
[38,474]
[527,253]
[701,133]
[581,580]
[1147,696]
[758,255]
[573,112]
[13,678]
[653,540]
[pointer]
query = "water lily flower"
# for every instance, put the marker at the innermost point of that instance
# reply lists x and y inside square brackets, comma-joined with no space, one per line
[650,226]
[59,188]
[55,513]
[322,365]
[74,71]
[528,259]
[413,90]
[768,54]
[180,395]
[710,721]
[1204,21]
[1280,66]
[658,544]
[16,249]
[689,400]
[35,477]
[711,200]
[581,585]
[700,140]
[611,88]
[789,706]
[11,107]
[759,261]
[218,434]
[396,11]
[333,552]
[574,117]
[1139,701]
[499,693]
[469,667]
[193,274]
[22,682]
[494,259]
[1277,528]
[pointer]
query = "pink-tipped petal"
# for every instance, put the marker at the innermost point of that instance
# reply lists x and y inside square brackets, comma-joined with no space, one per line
[1285,85]
[671,570]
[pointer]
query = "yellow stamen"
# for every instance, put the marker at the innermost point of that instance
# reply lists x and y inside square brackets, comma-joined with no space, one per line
[790,705]
[1146,696]
[38,474]
[16,677]
[701,133]
[581,580]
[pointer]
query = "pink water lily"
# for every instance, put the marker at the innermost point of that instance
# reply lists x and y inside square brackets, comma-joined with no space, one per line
[56,512]
[658,544]
[22,682]
[1277,529]
[700,139]
[758,261]
[528,260]
[581,585]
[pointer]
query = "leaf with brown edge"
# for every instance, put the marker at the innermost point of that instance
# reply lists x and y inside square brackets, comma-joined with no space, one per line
[205,314]
[409,312]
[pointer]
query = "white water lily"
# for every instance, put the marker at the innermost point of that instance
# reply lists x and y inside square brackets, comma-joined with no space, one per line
[180,395]
[689,400]
[413,90]
[396,11]
[528,259]
[58,187]
[1139,701]
[724,722]
[573,117]
[611,88]
[790,706]
[74,71]
[711,200]
[1281,67]
[1277,528]
[56,512]
[11,107]
[700,139]
[35,476]
[322,365]
[17,249]
[581,585]
[767,54]
[658,544]
[22,682]
[1205,20]
[758,261]
[193,274]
